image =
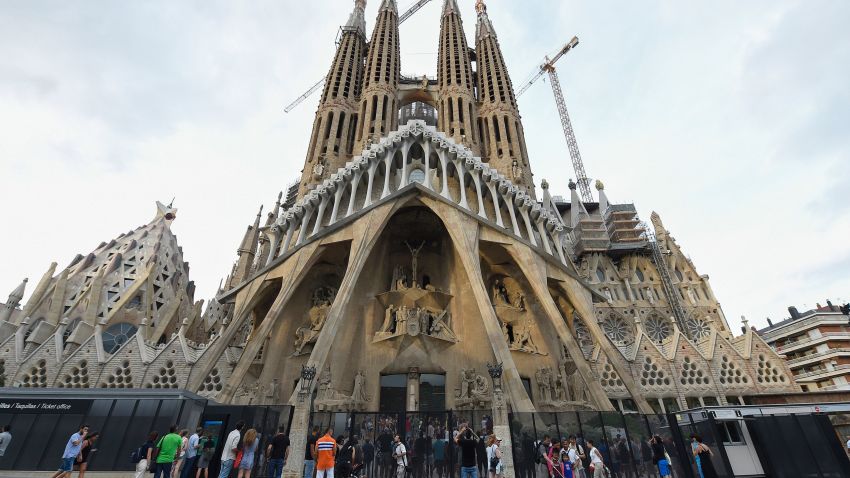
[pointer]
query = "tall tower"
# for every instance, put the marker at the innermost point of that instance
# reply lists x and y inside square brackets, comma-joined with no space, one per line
[500,128]
[457,104]
[378,106]
[332,140]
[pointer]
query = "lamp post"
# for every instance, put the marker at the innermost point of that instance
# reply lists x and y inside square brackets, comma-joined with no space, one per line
[496,374]
[298,429]
[307,376]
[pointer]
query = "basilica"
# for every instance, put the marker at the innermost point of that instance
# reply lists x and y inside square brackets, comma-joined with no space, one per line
[416,251]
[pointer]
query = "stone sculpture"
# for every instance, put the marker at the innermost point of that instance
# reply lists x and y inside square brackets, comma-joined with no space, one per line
[474,390]
[321,303]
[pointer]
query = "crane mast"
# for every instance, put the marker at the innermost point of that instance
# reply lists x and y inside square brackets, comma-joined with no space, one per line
[404,16]
[548,67]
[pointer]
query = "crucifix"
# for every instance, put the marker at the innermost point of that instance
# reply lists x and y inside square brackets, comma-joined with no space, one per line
[414,252]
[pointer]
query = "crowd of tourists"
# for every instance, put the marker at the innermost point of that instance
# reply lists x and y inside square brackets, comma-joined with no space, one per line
[416,448]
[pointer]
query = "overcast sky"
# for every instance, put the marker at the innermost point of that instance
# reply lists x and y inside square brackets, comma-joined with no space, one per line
[728,118]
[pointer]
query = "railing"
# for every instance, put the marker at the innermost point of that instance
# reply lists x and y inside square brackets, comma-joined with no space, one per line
[821,371]
[808,340]
[817,356]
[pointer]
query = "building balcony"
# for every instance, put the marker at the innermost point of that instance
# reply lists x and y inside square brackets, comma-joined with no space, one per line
[822,373]
[819,356]
[789,347]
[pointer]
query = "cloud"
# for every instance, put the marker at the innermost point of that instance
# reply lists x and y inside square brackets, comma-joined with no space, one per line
[728,118]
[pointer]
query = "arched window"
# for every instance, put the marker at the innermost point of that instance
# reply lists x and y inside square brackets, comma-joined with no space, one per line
[679,275]
[639,275]
[117,335]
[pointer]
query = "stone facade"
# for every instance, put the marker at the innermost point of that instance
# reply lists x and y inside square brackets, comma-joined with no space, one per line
[422,251]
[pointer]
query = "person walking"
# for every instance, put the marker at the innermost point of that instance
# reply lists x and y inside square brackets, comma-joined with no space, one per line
[5,439]
[145,458]
[231,447]
[72,449]
[205,457]
[249,451]
[345,458]
[576,454]
[311,453]
[193,445]
[542,449]
[400,455]
[368,457]
[596,460]
[494,457]
[326,449]
[169,446]
[181,454]
[703,453]
[277,453]
[659,456]
[85,453]
[466,441]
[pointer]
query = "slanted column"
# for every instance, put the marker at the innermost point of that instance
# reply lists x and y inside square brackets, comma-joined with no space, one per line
[340,189]
[290,230]
[510,195]
[302,234]
[320,215]
[427,150]
[387,162]
[523,210]
[476,178]
[543,236]
[461,177]
[494,196]
[405,151]
[275,233]
[354,182]
[444,163]
[373,168]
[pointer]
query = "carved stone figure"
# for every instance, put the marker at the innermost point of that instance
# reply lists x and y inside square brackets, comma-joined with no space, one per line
[440,327]
[321,302]
[358,395]
[543,381]
[500,294]
[273,391]
[474,389]
[516,170]
[389,319]
[522,339]
[414,253]
[308,335]
[319,169]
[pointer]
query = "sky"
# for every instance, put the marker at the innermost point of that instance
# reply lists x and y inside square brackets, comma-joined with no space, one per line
[728,118]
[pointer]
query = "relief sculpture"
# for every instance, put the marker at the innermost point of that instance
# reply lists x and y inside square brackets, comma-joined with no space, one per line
[320,305]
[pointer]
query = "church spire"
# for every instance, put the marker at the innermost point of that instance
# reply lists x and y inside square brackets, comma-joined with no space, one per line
[332,141]
[501,131]
[13,302]
[457,109]
[378,106]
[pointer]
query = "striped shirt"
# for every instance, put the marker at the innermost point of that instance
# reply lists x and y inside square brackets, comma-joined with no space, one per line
[326,448]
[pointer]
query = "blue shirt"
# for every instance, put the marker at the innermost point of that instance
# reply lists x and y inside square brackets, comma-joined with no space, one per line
[192,452]
[71,450]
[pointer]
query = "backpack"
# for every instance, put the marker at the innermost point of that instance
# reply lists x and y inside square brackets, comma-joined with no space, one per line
[136,456]
[494,461]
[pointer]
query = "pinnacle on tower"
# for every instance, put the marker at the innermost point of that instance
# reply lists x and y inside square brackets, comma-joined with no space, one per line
[457,108]
[14,300]
[500,129]
[378,106]
[332,140]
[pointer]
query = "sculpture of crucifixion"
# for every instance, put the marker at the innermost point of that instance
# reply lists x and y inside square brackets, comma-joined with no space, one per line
[414,252]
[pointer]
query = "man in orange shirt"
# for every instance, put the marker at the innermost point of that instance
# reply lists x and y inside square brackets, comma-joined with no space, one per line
[326,451]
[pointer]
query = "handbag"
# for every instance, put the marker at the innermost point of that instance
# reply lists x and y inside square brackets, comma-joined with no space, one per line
[238,459]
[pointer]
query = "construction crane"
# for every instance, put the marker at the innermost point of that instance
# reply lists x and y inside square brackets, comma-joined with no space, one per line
[548,67]
[404,16]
